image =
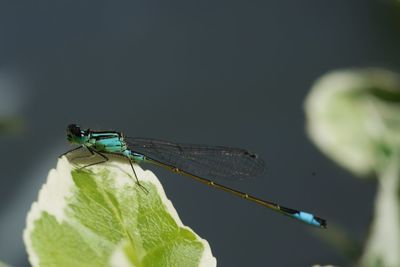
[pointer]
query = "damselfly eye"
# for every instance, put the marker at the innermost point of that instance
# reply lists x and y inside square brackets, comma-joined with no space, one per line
[74,130]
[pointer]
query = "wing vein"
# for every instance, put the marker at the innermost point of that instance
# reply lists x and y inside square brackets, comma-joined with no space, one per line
[204,161]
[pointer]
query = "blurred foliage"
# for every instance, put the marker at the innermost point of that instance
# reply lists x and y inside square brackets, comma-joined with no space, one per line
[10,125]
[342,241]
[353,116]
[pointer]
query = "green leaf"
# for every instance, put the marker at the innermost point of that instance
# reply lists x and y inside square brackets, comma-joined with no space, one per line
[2,264]
[100,217]
[353,116]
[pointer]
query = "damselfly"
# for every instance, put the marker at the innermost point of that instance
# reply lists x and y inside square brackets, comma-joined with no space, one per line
[202,163]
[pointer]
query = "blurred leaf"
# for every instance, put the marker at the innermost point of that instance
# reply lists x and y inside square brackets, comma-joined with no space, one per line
[383,244]
[353,116]
[342,241]
[10,125]
[2,264]
[83,218]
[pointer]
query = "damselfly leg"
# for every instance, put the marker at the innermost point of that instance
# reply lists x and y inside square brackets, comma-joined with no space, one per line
[105,158]
[71,150]
[136,177]
[84,156]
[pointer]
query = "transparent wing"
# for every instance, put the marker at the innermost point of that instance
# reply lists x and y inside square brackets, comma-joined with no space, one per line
[205,161]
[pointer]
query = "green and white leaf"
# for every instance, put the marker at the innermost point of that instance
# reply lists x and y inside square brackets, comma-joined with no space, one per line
[353,116]
[100,217]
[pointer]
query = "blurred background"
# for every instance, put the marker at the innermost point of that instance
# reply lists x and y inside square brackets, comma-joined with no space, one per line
[211,72]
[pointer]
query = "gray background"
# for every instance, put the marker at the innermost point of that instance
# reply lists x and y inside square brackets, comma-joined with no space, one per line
[213,72]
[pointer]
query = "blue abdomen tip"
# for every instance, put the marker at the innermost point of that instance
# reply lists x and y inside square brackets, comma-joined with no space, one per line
[310,219]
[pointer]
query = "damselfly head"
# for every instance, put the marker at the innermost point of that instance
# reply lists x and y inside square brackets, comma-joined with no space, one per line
[74,133]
